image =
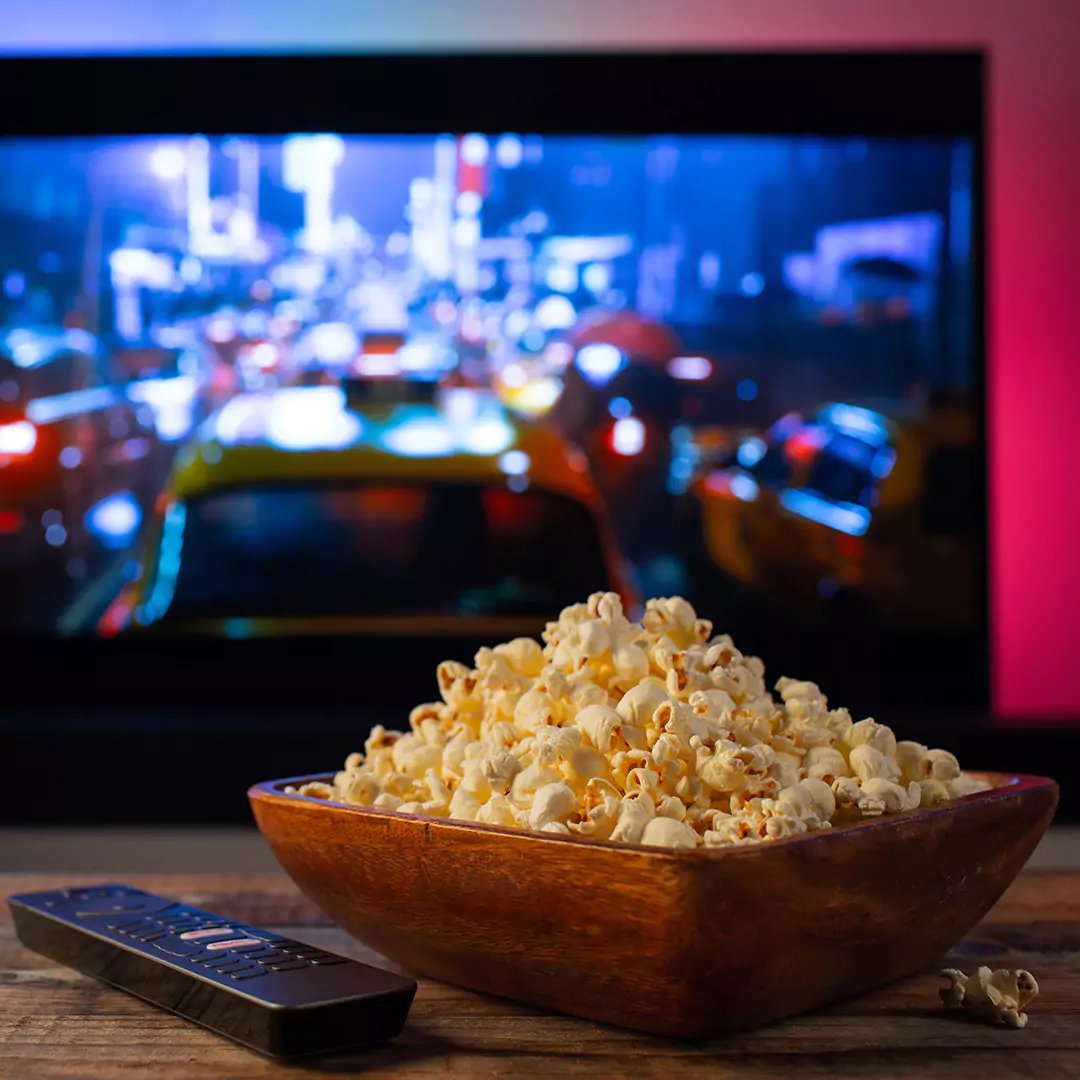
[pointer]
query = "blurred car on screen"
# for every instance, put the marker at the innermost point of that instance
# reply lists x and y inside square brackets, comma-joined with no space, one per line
[375,506]
[77,456]
[852,511]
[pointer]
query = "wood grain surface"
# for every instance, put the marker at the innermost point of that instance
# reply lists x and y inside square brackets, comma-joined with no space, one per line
[645,938]
[57,1023]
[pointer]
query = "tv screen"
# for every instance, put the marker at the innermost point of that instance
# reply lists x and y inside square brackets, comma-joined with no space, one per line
[296,400]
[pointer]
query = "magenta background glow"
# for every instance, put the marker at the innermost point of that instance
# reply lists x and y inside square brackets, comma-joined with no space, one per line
[1033,164]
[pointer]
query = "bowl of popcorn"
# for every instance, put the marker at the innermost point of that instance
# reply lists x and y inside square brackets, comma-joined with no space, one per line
[627,823]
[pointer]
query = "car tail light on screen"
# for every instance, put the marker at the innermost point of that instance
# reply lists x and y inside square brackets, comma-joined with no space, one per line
[18,439]
[11,522]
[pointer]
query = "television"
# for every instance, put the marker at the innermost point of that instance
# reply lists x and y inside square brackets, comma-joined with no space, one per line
[315,371]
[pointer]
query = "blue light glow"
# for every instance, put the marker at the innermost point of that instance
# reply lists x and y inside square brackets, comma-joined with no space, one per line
[508,151]
[555,313]
[562,277]
[313,418]
[744,487]
[168,567]
[628,436]
[468,203]
[172,402]
[474,149]
[750,452]
[421,437]
[855,420]
[47,410]
[377,366]
[620,407]
[883,462]
[168,162]
[237,420]
[490,435]
[460,405]
[14,284]
[26,349]
[843,516]
[334,343]
[114,520]
[515,463]
[751,284]
[596,277]
[747,390]
[689,368]
[599,362]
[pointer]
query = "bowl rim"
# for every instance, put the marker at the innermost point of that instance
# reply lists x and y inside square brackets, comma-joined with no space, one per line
[1005,786]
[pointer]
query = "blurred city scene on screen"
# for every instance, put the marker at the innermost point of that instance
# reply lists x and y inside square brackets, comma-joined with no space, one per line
[332,385]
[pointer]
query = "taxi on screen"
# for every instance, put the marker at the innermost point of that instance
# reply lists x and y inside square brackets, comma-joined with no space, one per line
[369,506]
[854,507]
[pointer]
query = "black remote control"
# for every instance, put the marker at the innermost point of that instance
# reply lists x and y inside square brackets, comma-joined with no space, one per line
[264,990]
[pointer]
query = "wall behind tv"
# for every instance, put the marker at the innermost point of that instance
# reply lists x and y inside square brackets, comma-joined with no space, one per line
[1034,255]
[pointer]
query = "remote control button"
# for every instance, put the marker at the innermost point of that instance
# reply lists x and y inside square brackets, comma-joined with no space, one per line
[207,932]
[248,974]
[124,923]
[289,965]
[234,943]
[215,961]
[151,935]
[263,955]
[118,904]
[324,961]
[239,965]
[177,948]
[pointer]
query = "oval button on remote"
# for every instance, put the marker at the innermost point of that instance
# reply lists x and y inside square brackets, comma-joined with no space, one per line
[232,943]
[197,935]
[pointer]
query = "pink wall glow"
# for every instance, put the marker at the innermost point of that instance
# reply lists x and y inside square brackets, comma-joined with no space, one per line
[1034,240]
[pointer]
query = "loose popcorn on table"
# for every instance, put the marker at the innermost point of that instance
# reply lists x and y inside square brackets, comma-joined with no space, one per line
[995,996]
[657,733]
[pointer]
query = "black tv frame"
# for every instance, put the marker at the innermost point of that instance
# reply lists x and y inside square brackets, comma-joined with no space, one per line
[87,688]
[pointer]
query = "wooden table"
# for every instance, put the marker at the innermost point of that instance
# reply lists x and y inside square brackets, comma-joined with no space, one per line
[55,1022]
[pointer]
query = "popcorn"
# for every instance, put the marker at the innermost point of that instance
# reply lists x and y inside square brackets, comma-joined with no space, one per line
[869,764]
[940,765]
[825,763]
[994,996]
[655,732]
[636,810]
[553,802]
[666,832]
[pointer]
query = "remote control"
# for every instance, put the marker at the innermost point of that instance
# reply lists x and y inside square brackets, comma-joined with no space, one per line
[271,993]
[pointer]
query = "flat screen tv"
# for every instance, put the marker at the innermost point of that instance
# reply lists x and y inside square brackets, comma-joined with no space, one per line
[317,371]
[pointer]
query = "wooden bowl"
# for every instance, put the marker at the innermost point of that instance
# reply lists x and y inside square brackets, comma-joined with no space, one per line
[684,943]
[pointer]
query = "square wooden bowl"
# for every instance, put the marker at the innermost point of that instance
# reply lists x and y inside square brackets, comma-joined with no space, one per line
[684,943]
